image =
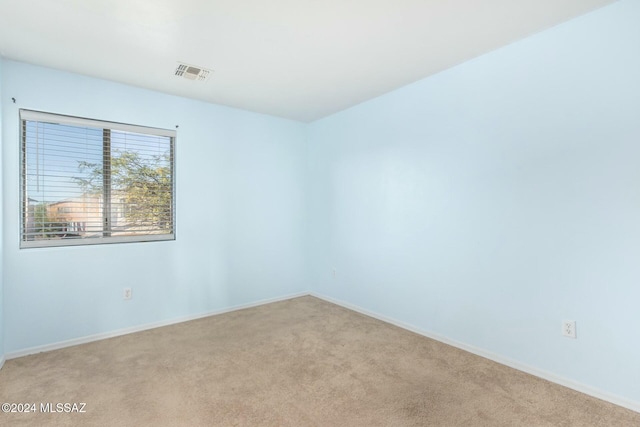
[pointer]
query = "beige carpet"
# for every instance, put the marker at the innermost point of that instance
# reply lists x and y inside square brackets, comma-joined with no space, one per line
[302,362]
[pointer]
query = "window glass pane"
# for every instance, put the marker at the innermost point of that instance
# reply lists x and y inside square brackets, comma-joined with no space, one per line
[141,177]
[57,177]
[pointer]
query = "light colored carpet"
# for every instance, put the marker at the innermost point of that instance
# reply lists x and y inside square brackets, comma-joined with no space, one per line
[301,362]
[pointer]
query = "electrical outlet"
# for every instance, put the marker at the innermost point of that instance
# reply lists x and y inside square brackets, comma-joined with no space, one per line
[569,328]
[127,294]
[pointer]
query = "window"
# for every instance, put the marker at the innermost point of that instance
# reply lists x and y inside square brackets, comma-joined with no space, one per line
[86,181]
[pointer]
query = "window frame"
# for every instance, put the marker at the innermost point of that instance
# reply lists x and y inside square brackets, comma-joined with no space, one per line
[45,117]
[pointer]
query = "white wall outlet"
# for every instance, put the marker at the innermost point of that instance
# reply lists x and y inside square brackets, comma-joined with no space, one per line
[127,294]
[569,328]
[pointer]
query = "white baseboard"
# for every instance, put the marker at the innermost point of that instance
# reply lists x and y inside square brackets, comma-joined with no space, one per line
[582,388]
[2,359]
[139,328]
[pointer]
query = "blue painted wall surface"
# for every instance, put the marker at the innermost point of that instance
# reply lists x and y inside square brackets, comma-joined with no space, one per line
[1,226]
[240,216]
[493,200]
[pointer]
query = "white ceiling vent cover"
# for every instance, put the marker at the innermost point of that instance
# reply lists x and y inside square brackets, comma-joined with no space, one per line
[192,72]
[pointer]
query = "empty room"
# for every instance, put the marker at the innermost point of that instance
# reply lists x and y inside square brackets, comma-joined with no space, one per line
[304,213]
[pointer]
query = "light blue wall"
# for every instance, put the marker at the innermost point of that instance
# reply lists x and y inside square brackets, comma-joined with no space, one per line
[240,216]
[1,227]
[492,201]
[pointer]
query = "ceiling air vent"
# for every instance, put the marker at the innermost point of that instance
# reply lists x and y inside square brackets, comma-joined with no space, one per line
[192,73]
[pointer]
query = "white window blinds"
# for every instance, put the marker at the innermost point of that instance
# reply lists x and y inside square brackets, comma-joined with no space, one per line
[87,181]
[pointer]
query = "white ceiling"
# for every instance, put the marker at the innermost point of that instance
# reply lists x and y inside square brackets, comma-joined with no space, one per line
[299,59]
